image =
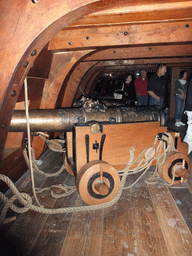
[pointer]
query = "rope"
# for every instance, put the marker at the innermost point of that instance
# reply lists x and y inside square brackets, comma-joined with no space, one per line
[68,190]
[19,196]
[26,200]
[36,168]
[31,160]
[29,139]
[55,142]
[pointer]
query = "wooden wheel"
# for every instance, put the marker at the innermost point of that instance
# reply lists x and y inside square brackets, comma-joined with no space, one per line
[97,182]
[175,162]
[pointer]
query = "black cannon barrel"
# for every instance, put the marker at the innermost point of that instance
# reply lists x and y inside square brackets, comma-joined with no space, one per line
[64,119]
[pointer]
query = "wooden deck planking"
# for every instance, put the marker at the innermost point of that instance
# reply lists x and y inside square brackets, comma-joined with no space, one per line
[148,232]
[138,224]
[51,162]
[176,233]
[183,200]
[188,184]
[118,228]
[28,226]
[84,233]
[94,241]
[51,237]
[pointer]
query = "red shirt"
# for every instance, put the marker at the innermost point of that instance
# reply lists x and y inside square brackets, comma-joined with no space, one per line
[141,86]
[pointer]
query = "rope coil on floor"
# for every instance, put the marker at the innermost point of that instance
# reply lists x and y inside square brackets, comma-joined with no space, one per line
[35,166]
[144,164]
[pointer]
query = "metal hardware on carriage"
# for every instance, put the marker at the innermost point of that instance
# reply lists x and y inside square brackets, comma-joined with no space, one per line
[99,143]
[176,165]
[160,137]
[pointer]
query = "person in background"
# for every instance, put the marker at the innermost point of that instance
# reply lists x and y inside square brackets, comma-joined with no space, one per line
[129,94]
[156,86]
[141,84]
[188,112]
[188,105]
[180,95]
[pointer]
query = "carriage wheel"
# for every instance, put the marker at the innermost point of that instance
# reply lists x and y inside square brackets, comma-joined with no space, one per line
[175,162]
[97,182]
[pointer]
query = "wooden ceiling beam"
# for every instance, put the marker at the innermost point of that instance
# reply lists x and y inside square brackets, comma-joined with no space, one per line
[168,61]
[123,35]
[134,17]
[179,50]
[140,6]
[135,66]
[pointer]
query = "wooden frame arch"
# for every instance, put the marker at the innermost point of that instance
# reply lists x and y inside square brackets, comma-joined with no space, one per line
[29,26]
[54,16]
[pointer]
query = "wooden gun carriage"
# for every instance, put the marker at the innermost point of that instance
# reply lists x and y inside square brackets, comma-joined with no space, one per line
[98,142]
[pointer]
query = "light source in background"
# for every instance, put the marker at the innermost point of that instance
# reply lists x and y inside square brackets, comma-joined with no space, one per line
[108,75]
[137,74]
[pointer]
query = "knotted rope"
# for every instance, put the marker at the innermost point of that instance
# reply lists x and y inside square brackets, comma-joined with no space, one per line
[144,164]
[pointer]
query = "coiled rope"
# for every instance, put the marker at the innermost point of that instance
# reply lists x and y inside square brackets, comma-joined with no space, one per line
[144,164]
[35,166]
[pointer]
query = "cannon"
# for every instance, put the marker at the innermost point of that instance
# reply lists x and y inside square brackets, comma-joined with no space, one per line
[98,141]
[54,120]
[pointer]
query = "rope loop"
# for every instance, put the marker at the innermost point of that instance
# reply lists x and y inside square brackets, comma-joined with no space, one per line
[35,166]
[165,145]
[23,198]
[53,144]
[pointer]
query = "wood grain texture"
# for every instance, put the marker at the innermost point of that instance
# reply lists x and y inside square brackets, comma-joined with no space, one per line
[151,33]
[119,139]
[145,221]
[177,50]
[175,231]
[104,18]
[51,237]
[29,224]
[84,233]
[149,237]
[118,228]
[188,184]
[183,200]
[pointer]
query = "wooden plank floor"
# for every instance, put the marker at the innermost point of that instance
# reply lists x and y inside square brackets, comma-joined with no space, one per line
[149,219]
